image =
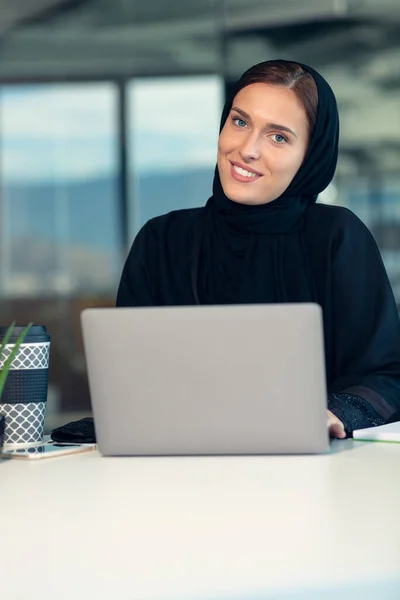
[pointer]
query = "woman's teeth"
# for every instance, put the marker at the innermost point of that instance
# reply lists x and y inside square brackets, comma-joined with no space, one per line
[243,172]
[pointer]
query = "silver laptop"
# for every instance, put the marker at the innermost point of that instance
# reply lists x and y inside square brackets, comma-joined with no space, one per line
[207,380]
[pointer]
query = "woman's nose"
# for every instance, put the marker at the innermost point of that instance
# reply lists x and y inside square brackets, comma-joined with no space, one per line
[250,149]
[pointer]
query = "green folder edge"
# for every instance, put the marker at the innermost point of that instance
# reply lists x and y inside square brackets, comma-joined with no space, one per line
[380,441]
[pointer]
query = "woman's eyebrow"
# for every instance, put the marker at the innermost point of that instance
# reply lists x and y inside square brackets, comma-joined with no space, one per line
[244,114]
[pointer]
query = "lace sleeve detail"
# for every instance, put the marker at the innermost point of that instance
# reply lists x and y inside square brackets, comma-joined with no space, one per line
[354,411]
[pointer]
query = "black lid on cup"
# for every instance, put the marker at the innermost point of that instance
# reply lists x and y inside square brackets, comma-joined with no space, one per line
[37,333]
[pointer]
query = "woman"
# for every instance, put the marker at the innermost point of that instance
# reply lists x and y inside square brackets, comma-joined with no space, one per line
[261,238]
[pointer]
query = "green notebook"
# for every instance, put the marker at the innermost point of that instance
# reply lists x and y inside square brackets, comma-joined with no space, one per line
[383,433]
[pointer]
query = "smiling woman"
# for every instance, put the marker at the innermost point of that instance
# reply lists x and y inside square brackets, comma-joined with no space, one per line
[262,238]
[253,148]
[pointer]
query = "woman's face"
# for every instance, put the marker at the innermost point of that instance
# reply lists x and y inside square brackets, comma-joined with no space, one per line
[263,143]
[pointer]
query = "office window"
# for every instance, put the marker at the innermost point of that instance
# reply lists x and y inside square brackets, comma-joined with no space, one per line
[173,133]
[59,211]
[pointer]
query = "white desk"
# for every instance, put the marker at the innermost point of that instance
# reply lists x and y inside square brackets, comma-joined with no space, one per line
[86,527]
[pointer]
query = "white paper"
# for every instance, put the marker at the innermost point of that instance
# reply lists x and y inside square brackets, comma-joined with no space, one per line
[383,433]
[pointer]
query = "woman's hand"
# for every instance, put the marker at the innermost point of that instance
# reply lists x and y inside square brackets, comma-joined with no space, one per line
[335,426]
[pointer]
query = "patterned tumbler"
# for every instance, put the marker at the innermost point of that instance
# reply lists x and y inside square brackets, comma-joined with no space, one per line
[23,403]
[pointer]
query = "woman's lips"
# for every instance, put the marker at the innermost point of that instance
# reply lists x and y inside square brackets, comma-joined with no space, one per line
[243,175]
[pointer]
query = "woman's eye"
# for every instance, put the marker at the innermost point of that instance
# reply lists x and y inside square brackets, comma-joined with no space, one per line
[279,138]
[239,122]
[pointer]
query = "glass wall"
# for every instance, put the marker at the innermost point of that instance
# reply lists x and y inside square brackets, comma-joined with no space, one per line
[173,133]
[58,153]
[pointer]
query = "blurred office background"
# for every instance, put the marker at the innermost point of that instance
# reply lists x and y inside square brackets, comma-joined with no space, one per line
[109,114]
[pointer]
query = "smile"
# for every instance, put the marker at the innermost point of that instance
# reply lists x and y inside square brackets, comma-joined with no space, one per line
[243,175]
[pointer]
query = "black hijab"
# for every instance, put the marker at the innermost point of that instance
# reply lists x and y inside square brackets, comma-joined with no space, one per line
[256,254]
